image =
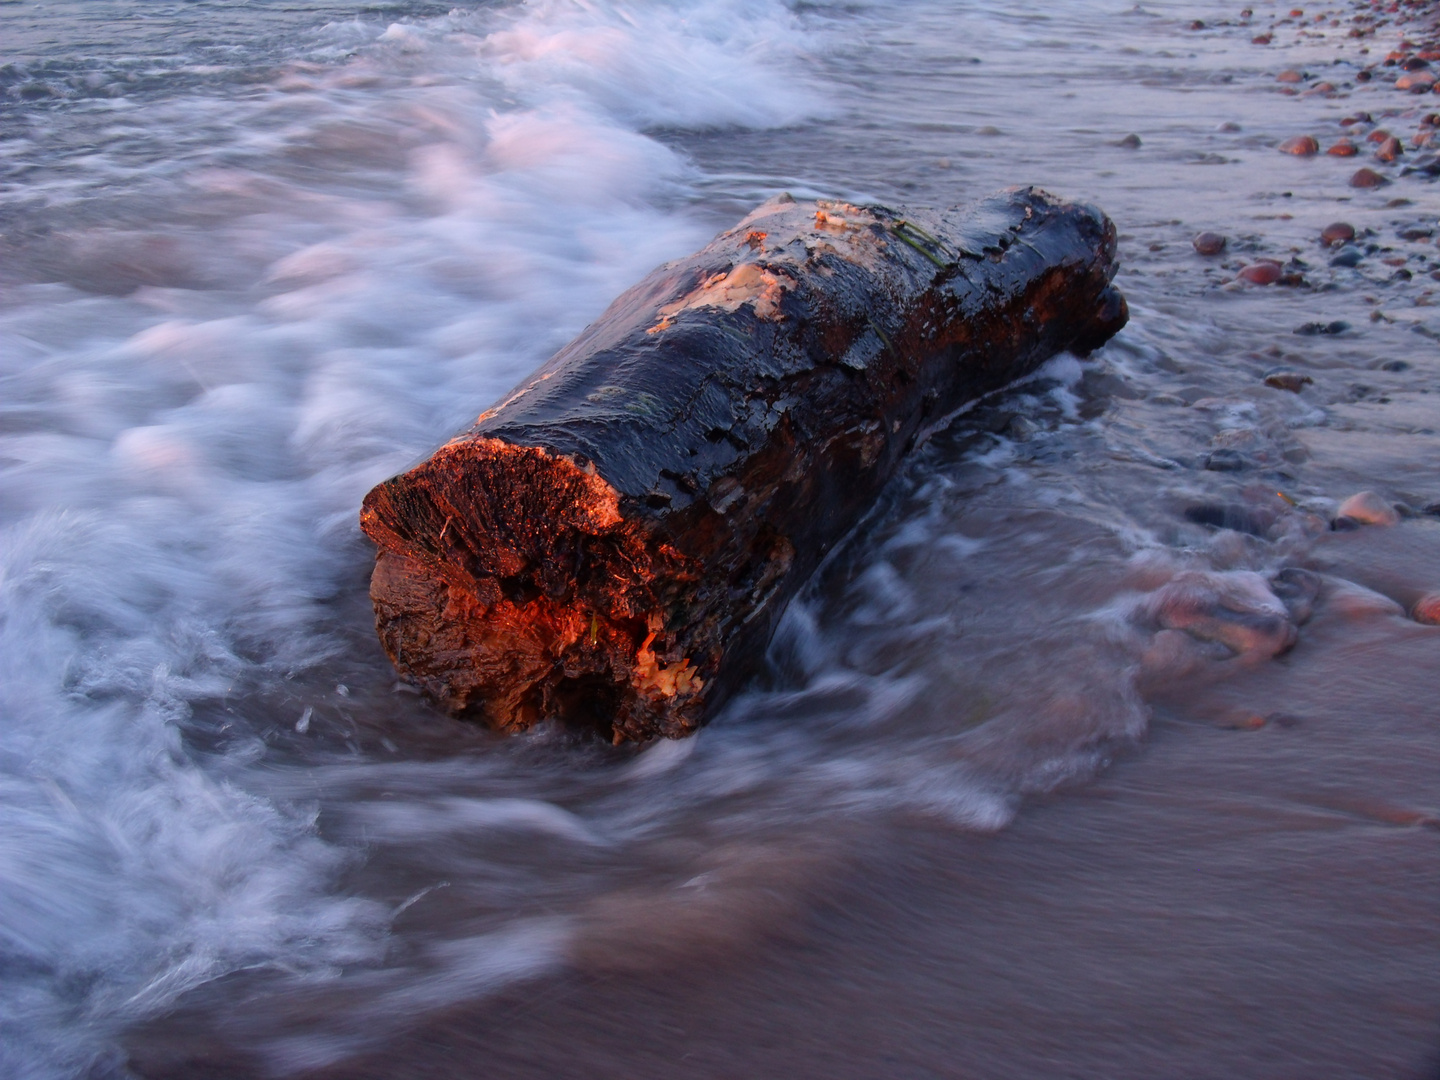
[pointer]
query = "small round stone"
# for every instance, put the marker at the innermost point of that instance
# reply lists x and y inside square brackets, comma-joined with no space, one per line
[1262,273]
[1337,232]
[1367,178]
[1427,610]
[1300,146]
[1209,243]
[1368,508]
[1343,148]
[1290,75]
[1288,380]
[1379,135]
[1389,150]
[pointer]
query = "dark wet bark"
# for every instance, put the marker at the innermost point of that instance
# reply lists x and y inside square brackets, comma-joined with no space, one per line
[613,542]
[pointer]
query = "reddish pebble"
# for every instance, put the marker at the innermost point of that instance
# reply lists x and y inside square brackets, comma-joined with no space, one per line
[1339,232]
[1290,76]
[1209,243]
[1295,13]
[1417,82]
[1368,508]
[1378,135]
[1389,150]
[1262,273]
[1263,39]
[1427,610]
[1300,145]
[1288,380]
[1367,178]
[1343,148]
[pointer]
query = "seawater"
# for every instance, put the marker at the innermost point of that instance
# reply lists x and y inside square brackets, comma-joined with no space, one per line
[258,257]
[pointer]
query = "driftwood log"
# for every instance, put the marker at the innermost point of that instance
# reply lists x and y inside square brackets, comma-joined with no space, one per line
[613,542]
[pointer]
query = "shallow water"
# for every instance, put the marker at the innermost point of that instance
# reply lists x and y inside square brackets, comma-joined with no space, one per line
[992,811]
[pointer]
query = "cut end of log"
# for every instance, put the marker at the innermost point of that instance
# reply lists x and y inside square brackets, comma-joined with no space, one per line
[510,587]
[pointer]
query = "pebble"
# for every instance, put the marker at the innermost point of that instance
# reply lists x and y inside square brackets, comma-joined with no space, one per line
[1209,243]
[1288,380]
[1235,609]
[1343,148]
[1427,610]
[1368,508]
[1389,150]
[1290,75]
[1130,142]
[1349,257]
[1378,135]
[1367,178]
[1300,146]
[1311,329]
[1298,590]
[1337,232]
[1262,273]
[1225,461]
[1416,82]
[1358,118]
[1240,720]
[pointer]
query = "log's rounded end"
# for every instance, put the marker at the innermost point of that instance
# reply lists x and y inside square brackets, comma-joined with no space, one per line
[1111,315]
[511,586]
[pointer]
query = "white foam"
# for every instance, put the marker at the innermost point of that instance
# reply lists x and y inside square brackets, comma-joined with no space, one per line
[181,480]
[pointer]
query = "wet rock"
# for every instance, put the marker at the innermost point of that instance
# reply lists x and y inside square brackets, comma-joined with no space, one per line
[1337,232]
[1209,243]
[1427,610]
[1343,148]
[1416,82]
[1235,609]
[1348,257]
[1225,460]
[1428,165]
[1262,273]
[1288,380]
[1129,142]
[1234,516]
[1311,329]
[1416,232]
[1298,590]
[1367,508]
[1261,39]
[1300,146]
[1240,719]
[1395,365]
[1357,118]
[1379,135]
[1389,150]
[1367,178]
[1290,75]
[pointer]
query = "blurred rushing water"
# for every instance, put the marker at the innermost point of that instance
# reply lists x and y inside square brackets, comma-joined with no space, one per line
[257,257]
